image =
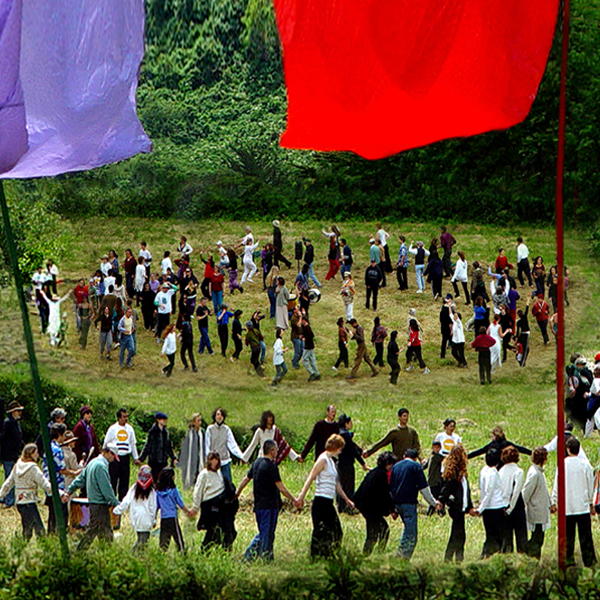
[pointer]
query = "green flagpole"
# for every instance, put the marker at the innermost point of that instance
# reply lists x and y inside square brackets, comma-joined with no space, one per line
[35,374]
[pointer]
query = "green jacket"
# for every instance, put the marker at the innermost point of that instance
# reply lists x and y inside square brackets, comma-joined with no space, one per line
[96,479]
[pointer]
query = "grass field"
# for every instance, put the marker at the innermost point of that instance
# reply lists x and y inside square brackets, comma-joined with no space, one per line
[521,400]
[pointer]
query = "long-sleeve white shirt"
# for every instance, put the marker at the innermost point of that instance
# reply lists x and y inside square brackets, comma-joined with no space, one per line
[208,486]
[458,332]
[170,344]
[511,477]
[185,249]
[249,252]
[490,489]
[165,264]
[579,486]
[522,252]
[460,271]
[124,437]
[278,352]
[260,437]
[552,446]
[414,250]
[142,513]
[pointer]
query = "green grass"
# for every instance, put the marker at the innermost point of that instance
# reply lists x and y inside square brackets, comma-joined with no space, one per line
[521,400]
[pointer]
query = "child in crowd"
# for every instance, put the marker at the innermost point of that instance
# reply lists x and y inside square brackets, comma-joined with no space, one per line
[168,499]
[434,471]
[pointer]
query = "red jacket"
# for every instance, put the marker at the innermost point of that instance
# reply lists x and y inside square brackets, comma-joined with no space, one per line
[540,310]
[483,342]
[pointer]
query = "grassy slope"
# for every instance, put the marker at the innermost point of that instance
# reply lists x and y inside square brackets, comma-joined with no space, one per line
[521,400]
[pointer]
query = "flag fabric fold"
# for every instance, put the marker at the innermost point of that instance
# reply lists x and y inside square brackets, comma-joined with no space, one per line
[78,69]
[381,76]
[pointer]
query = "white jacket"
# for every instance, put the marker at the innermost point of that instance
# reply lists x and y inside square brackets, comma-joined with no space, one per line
[26,477]
[511,476]
[537,498]
[460,271]
[579,486]
[142,513]
[170,343]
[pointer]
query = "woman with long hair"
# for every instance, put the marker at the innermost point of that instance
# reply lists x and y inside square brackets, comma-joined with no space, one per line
[26,477]
[333,252]
[267,430]
[327,532]
[413,348]
[456,496]
[539,275]
[282,296]
[342,344]
[515,520]
[393,352]
[169,348]
[191,458]
[271,285]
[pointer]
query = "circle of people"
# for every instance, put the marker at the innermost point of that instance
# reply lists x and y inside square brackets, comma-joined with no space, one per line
[515,509]
[107,301]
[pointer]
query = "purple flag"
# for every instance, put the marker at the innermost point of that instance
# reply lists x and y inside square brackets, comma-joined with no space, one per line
[78,66]
[13,134]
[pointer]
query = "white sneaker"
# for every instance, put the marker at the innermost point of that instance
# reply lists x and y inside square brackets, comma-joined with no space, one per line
[409,368]
[426,371]
[334,368]
[419,291]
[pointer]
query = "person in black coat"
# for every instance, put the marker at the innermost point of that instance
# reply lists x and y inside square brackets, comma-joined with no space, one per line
[11,444]
[446,322]
[345,467]
[278,246]
[435,273]
[456,496]
[373,279]
[374,501]
[158,448]
[499,442]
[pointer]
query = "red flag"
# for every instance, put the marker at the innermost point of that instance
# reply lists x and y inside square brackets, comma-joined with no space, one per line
[381,76]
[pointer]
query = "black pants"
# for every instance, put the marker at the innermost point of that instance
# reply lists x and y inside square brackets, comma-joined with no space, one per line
[119,475]
[506,346]
[485,366]
[223,338]
[169,368]
[378,533]
[279,257]
[347,479]
[238,347]
[493,521]
[343,357]
[447,263]
[436,286]
[446,337]
[465,290]
[255,360]
[415,351]
[402,278]
[189,349]
[372,291]
[536,541]
[583,523]
[395,366]
[327,534]
[524,341]
[31,520]
[379,354]
[169,528]
[516,523]
[381,267]
[162,320]
[52,525]
[205,287]
[455,550]
[543,325]
[458,352]
[156,468]
[99,526]
[523,269]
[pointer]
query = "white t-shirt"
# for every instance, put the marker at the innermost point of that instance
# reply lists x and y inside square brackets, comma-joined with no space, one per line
[108,281]
[383,236]
[278,352]
[166,264]
[145,254]
[448,441]
[163,301]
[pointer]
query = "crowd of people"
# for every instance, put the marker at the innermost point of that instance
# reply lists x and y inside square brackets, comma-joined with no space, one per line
[174,291]
[515,509]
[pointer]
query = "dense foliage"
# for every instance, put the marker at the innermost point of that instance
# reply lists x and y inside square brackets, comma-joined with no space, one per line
[213,101]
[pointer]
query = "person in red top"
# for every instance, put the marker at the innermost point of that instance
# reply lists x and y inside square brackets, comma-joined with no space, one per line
[482,343]
[541,311]
[414,347]
[502,262]
[79,292]
[86,445]
[209,269]
[129,265]
[216,289]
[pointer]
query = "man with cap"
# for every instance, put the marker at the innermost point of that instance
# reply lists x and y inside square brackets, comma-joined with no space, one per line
[158,448]
[162,301]
[309,259]
[86,445]
[541,312]
[278,246]
[11,444]
[373,279]
[122,435]
[95,478]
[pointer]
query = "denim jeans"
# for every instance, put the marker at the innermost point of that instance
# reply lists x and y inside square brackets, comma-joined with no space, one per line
[281,371]
[408,514]
[262,544]
[226,471]
[311,275]
[420,279]
[9,499]
[298,349]
[217,299]
[126,344]
[263,351]
[204,341]
[310,363]
[271,294]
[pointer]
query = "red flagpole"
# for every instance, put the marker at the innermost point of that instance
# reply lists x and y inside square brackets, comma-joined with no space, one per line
[560,337]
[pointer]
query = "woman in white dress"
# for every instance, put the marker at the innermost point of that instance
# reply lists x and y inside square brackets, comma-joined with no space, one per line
[495,331]
[140,277]
[327,532]
[248,260]
[54,316]
[348,292]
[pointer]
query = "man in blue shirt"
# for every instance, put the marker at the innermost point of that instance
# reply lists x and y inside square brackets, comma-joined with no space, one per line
[406,481]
